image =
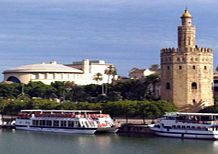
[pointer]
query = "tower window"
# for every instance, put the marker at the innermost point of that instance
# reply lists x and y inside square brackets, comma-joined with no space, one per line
[194,85]
[168,67]
[205,67]
[194,101]
[183,59]
[167,85]
[180,67]
[193,67]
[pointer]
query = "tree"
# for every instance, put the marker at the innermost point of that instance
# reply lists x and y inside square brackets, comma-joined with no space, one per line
[39,89]
[152,81]
[99,77]
[154,67]
[9,90]
[110,71]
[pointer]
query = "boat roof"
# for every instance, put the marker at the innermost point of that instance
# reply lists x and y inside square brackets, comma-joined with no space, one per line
[190,114]
[64,111]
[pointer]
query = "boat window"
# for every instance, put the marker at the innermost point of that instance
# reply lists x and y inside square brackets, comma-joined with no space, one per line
[76,124]
[48,123]
[83,124]
[205,118]
[178,126]
[171,118]
[56,123]
[63,123]
[193,127]
[42,122]
[198,127]
[70,124]
[157,126]
[34,123]
[167,127]
[180,118]
[86,123]
[183,127]
[188,127]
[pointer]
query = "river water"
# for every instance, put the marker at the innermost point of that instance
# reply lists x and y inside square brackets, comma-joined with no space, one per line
[26,142]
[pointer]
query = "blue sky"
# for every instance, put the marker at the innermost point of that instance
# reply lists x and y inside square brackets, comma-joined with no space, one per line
[126,33]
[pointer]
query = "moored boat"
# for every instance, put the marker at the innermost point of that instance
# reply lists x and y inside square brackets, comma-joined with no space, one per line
[187,125]
[66,121]
[55,121]
[105,123]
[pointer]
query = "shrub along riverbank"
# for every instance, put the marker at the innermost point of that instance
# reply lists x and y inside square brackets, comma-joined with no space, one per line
[127,109]
[131,98]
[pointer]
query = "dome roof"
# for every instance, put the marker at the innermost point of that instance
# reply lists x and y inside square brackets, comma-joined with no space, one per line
[43,67]
[186,14]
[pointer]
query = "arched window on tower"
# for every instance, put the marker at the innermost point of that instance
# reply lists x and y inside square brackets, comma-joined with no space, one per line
[194,85]
[167,85]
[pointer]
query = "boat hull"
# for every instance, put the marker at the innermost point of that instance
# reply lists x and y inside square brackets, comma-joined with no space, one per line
[59,130]
[187,134]
[107,130]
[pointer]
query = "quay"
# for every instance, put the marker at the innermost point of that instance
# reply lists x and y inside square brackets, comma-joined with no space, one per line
[134,126]
[134,129]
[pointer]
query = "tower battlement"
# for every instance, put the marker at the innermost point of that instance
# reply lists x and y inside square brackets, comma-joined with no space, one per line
[169,50]
[186,50]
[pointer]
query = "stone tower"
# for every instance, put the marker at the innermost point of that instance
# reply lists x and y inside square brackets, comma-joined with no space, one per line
[187,71]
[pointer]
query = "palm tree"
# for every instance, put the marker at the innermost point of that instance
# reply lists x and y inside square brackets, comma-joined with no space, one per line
[110,71]
[99,77]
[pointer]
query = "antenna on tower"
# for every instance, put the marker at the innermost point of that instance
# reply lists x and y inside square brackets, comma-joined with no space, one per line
[186,5]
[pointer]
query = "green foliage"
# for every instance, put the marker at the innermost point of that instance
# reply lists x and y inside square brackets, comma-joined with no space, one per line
[131,98]
[9,90]
[127,109]
[89,106]
[67,106]
[38,89]
[45,104]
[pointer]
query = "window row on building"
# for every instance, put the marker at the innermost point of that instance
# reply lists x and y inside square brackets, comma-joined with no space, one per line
[53,76]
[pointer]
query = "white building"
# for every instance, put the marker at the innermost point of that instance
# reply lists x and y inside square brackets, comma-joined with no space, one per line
[137,73]
[81,73]
[91,67]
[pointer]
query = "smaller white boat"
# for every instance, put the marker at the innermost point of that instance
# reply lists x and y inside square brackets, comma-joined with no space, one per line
[187,125]
[105,123]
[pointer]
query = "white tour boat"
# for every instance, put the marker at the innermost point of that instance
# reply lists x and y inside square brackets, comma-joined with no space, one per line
[55,121]
[68,121]
[187,125]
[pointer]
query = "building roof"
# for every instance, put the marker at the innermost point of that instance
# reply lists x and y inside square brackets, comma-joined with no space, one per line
[186,14]
[43,67]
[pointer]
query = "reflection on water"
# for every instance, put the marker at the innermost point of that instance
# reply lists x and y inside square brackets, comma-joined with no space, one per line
[22,142]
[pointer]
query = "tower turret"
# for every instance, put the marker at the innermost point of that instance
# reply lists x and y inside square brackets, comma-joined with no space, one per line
[186,32]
